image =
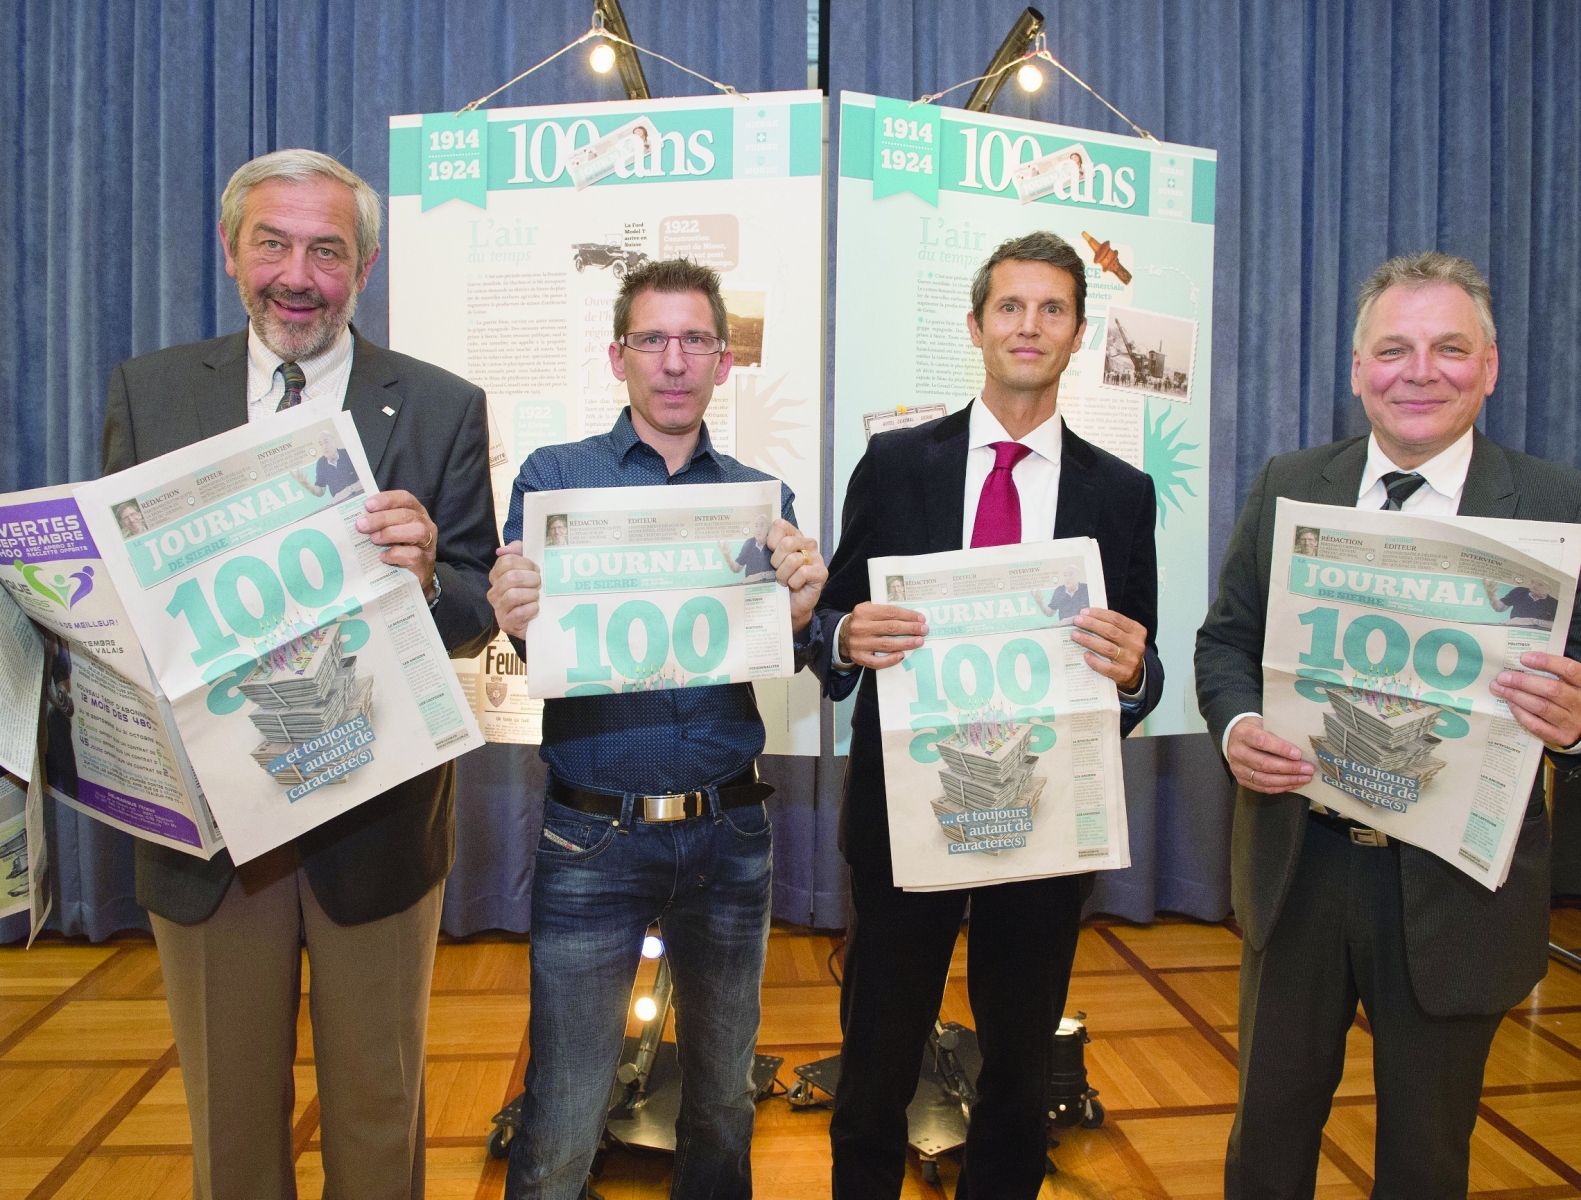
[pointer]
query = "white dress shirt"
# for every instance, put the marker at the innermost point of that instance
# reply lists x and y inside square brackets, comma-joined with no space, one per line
[1440,496]
[327,374]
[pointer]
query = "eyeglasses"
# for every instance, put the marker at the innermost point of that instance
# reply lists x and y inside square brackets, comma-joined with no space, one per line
[652,342]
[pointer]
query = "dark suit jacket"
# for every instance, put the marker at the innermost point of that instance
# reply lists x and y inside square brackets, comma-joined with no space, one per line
[908,496]
[1470,950]
[382,856]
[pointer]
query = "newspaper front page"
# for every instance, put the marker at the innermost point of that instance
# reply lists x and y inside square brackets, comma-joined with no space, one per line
[111,750]
[1001,746]
[24,854]
[655,587]
[304,674]
[1384,632]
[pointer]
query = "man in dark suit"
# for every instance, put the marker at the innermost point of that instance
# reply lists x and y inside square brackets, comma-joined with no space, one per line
[300,234]
[1331,910]
[1004,469]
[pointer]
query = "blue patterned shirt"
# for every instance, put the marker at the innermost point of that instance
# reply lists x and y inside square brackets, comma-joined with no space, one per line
[646,743]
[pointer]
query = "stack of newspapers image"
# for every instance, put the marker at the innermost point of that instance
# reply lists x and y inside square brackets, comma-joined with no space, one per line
[1001,746]
[1384,631]
[205,608]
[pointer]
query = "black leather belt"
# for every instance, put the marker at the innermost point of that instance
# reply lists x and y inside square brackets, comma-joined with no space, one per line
[739,792]
[1359,834]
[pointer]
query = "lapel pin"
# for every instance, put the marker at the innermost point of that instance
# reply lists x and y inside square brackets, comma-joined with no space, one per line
[388,411]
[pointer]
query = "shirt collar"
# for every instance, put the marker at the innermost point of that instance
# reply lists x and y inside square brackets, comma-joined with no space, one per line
[321,366]
[624,438]
[1046,440]
[1445,472]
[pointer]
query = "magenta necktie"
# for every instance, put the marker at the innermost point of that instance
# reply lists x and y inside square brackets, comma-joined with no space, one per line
[999,507]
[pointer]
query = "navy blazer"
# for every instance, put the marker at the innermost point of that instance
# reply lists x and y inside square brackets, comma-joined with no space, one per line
[908,496]
[424,430]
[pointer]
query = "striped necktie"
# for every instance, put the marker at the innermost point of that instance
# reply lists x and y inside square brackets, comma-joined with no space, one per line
[1401,486]
[295,381]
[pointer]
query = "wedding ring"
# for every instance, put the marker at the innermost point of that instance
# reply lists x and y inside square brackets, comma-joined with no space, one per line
[427,542]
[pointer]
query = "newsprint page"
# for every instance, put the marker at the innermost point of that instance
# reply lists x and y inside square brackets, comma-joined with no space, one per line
[1384,631]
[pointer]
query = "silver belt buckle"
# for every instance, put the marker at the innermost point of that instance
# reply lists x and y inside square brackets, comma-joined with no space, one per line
[1368,837]
[671,807]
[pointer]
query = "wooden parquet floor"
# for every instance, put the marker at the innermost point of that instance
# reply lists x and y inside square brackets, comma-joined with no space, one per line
[91,1101]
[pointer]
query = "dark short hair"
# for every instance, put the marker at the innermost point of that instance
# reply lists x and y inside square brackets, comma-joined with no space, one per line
[1037,246]
[671,275]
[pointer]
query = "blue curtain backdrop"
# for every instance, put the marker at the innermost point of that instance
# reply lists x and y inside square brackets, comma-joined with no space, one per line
[1345,132]
[119,125]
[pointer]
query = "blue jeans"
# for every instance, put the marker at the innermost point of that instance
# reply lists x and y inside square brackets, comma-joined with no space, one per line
[706,881]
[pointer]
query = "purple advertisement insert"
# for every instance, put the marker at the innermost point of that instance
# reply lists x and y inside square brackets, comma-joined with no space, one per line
[138,814]
[44,531]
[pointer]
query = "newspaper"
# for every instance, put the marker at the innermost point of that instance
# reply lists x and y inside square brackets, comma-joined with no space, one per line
[672,588]
[24,858]
[1001,746]
[495,682]
[110,748]
[22,670]
[1384,632]
[304,674]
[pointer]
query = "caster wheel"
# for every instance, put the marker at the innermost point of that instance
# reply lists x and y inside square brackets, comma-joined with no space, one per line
[1094,1115]
[1049,1168]
[499,1141]
[930,1172]
[800,1094]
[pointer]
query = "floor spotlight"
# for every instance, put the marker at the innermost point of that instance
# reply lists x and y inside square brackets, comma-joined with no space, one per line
[652,947]
[645,1008]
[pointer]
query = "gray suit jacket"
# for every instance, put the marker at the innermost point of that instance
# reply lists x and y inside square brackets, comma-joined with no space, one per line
[1470,950]
[424,430]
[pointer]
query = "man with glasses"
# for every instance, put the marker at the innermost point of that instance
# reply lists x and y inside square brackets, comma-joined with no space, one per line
[608,863]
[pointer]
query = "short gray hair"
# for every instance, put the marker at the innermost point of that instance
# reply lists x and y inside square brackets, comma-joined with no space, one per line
[302,166]
[1419,270]
[1038,246]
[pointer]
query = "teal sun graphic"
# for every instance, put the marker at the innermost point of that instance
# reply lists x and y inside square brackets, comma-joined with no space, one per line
[1164,458]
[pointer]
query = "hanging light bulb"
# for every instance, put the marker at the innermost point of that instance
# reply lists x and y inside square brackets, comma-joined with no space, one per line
[1029,77]
[652,947]
[646,1009]
[602,58]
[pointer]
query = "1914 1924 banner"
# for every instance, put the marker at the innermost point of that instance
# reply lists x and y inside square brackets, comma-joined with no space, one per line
[1384,631]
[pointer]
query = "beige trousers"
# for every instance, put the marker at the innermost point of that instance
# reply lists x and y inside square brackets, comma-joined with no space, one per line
[233,983]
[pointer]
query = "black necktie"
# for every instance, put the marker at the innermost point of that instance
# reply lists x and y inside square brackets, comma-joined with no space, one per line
[295,381]
[1402,486]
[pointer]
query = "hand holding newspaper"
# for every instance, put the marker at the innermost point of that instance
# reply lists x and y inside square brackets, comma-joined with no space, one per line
[305,675]
[655,587]
[1001,746]
[1384,631]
